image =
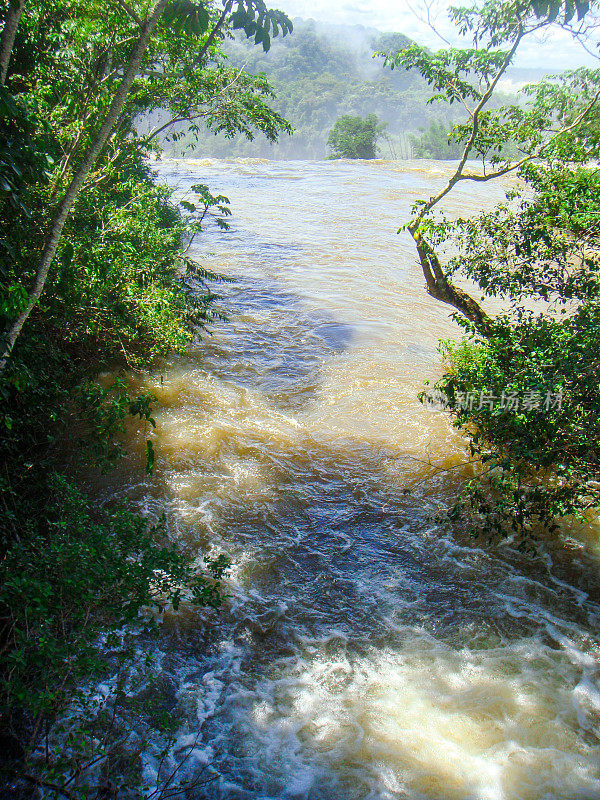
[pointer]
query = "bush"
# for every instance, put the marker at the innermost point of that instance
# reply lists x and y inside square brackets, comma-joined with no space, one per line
[72,583]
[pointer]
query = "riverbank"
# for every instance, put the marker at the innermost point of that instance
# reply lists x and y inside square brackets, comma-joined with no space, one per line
[365,651]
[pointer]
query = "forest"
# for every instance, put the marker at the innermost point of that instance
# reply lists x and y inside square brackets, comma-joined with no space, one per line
[101,287]
[325,71]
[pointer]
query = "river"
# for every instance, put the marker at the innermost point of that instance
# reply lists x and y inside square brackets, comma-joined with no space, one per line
[365,652]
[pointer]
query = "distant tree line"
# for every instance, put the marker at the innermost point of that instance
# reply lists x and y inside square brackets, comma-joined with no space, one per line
[320,75]
[435,142]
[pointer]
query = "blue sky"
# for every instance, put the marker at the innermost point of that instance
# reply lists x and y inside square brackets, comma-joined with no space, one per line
[557,52]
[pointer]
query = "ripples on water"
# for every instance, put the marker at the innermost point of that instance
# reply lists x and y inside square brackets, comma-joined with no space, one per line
[364,653]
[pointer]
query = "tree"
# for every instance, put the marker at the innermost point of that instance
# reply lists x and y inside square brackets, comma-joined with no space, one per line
[171,42]
[86,229]
[522,384]
[354,137]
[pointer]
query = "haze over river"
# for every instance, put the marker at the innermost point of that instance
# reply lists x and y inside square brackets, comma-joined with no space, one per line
[365,652]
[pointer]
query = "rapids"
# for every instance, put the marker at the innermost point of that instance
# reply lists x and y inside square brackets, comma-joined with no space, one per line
[364,653]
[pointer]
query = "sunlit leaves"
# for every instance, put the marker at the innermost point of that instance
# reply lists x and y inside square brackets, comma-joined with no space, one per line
[355,137]
[543,246]
[454,74]
[227,101]
[150,457]
[206,205]
[540,253]
[120,291]
[496,23]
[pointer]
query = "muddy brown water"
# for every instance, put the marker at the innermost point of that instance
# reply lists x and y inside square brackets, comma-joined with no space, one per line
[364,653]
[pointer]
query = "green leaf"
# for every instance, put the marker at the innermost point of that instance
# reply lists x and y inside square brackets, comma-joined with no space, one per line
[187,17]
[149,457]
[68,254]
[8,108]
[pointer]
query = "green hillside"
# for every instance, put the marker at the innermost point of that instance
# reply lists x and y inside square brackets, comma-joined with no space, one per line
[320,73]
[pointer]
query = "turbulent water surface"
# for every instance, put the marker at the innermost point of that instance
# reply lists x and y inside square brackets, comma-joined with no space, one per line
[364,652]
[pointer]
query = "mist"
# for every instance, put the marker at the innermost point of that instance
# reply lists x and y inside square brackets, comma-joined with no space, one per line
[319,73]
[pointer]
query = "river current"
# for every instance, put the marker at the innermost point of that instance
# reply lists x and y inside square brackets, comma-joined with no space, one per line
[365,651]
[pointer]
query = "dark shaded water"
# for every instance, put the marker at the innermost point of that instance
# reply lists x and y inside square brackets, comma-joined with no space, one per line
[364,652]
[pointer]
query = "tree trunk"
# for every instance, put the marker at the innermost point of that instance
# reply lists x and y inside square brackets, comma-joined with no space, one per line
[79,178]
[7,40]
[441,288]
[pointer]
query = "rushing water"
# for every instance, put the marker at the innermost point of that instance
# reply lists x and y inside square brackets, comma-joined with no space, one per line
[364,652]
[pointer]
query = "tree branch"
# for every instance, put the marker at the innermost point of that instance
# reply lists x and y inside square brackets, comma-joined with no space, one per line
[54,787]
[531,156]
[438,284]
[433,201]
[440,288]
[198,59]
[198,114]
[7,40]
[78,180]
[172,121]
[130,11]
[211,38]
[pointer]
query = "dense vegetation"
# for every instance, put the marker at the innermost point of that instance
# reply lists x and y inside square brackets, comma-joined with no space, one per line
[434,142]
[94,273]
[326,71]
[320,74]
[354,137]
[523,385]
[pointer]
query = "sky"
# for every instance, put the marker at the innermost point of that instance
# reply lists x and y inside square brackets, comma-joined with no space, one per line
[557,52]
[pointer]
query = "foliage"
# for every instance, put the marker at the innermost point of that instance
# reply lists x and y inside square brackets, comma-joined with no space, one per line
[435,143]
[353,137]
[124,277]
[116,82]
[81,573]
[522,385]
[255,19]
[105,409]
[121,290]
[319,74]
[545,453]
